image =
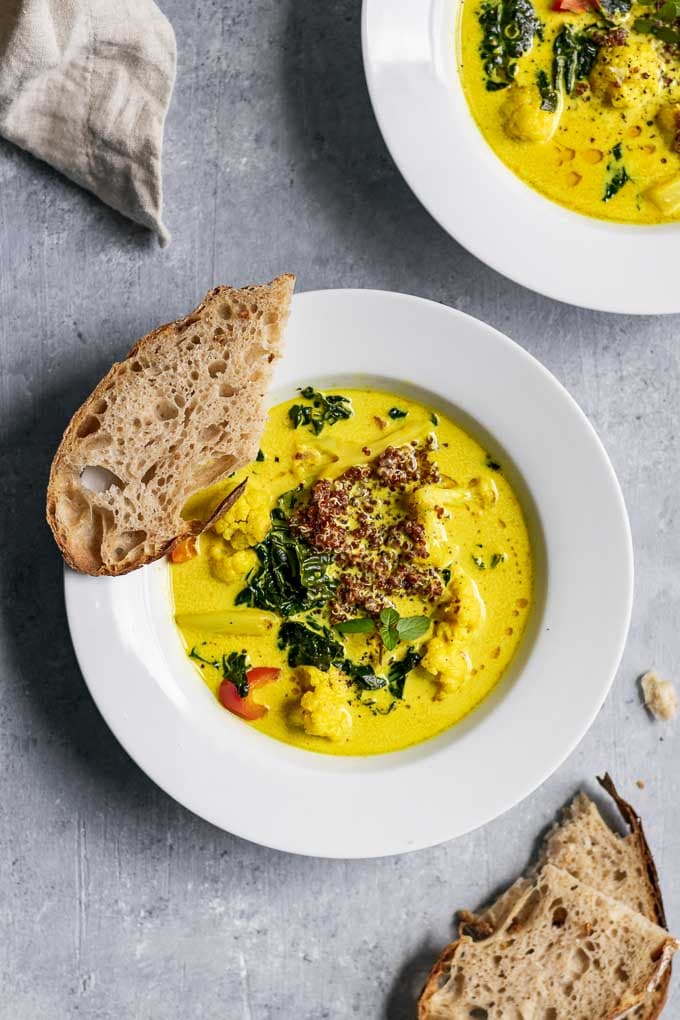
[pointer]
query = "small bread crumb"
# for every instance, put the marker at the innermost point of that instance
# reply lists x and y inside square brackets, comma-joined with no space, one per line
[660,696]
[640,783]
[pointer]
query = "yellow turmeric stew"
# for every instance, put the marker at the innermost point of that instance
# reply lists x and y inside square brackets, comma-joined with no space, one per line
[581,99]
[370,585]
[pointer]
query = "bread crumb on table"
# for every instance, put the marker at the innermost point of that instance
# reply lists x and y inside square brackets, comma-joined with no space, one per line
[640,783]
[660,696]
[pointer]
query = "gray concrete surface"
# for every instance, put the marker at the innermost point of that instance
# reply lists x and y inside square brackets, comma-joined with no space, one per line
[114,901]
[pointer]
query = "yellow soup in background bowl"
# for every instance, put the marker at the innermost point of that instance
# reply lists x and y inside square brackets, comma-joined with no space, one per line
[581,99]
[369,586]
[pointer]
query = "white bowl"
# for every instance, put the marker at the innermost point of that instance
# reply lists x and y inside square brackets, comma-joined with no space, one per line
[249,784]
[410,60]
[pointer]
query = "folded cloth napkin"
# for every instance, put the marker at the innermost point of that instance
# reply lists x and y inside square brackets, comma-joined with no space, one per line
[85,85]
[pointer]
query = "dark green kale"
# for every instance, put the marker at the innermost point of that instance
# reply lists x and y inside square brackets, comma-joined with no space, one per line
[615,183]
[292,577]
[323,410]
[399,671]
[396,412]
[311,644]
[549,95]
[233,667]
[509,28]
[574,55]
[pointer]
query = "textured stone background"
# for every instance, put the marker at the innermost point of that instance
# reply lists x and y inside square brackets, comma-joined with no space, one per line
[116,903]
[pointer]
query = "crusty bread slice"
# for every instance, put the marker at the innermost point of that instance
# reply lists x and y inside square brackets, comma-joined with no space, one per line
[184,410]
[621,867]
[564,952]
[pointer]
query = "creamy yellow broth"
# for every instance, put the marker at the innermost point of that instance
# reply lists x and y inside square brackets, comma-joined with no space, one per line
[622,120]
[485,544]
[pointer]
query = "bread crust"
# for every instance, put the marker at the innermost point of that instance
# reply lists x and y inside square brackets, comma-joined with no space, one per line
[78,516]
[647,1003]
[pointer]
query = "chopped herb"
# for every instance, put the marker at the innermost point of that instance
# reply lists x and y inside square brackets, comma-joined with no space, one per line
[663,23]
[549,96]
[434,418]
[361,625]
[493,465]
[446,575]
[260,456]
[396,412]
[615,184]
[479,562]
[617,151]
[323,410]
[292,577]
[509,28]
[398,672]
[496,559]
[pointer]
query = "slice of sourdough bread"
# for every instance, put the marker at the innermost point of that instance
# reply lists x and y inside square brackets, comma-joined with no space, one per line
[184,410]
[565,951]
[585,846]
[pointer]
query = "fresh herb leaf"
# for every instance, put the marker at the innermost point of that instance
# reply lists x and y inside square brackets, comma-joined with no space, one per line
[549,96]
[387,629]
[493,465]
[434,418]
[617,151]
[324,409]
[509,28]
[478,562]
[396,412]
[398,672]
[292,577]
[363,676]
[446,575]
[496,559]
[615,184]
[361,625]
[410,628]
[260,456]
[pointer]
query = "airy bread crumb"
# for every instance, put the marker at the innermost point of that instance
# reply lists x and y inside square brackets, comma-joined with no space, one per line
[660,696]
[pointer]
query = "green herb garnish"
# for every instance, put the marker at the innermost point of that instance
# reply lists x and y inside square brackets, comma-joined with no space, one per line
[493,465]
[292,577]
[617,151]
[478,562]
[314,645]
[396,412]
[323,410]
[496,559]
[434,418]
[446,575]
[260,456]
[361,625]
[392,628]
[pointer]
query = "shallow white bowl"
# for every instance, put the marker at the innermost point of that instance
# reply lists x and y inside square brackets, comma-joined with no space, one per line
[410,61]
[249,784]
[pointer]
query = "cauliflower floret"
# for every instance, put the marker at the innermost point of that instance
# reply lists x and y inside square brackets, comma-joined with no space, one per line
[522,116]
[247,522]
[230,567]
[458,619]
[627,76]
[324,703]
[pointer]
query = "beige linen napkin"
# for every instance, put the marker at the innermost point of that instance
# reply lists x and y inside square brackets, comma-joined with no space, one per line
[85,85]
